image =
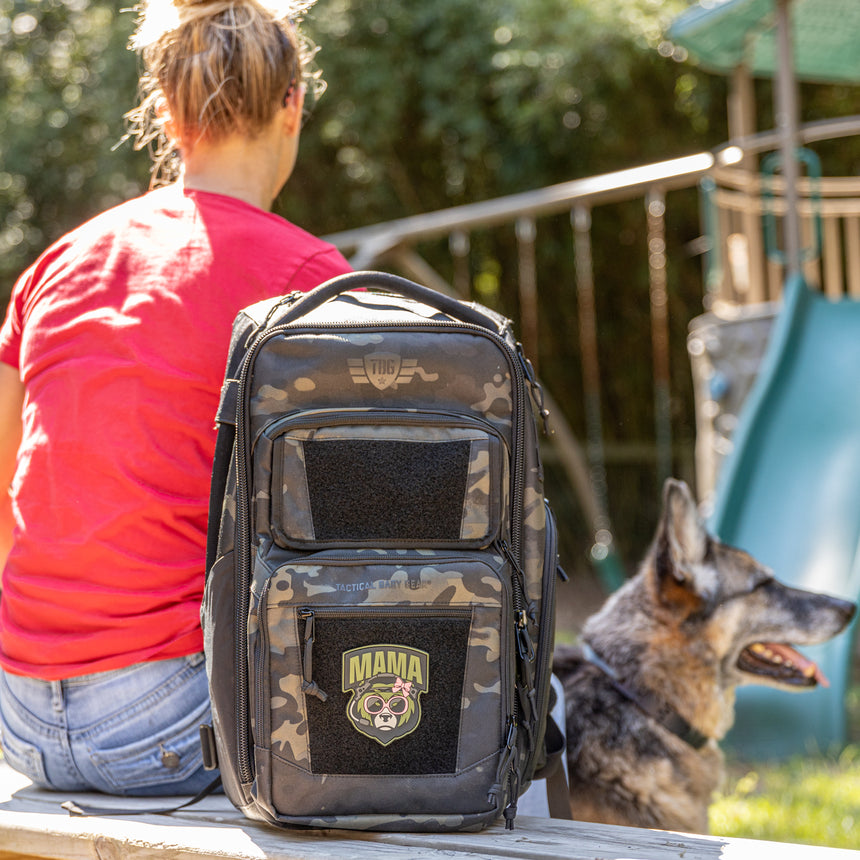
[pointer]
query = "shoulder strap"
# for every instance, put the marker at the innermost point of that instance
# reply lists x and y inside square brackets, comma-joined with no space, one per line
[220,467]
[74,808]
[557,791]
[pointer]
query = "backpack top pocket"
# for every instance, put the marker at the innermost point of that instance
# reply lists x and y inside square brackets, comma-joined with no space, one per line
[383,478]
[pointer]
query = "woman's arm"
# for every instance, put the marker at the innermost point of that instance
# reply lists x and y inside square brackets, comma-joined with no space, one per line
[11,401]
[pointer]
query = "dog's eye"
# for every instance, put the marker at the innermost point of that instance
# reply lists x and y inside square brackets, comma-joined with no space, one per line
[758,581]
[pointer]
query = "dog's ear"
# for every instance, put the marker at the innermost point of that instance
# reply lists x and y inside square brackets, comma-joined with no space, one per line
[686,534]
[681,545]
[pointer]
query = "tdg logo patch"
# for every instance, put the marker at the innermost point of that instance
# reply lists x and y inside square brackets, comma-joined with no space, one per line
[386,682]
[386,370]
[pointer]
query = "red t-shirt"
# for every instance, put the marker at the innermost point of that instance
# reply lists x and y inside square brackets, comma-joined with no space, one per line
[120,332]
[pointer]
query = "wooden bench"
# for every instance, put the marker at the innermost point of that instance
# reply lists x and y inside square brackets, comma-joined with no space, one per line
[32,825]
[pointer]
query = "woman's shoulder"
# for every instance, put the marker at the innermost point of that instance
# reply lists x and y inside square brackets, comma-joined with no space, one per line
[232,223]
[86,239]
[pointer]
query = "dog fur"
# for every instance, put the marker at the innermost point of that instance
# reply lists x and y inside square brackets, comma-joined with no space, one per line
[678,636]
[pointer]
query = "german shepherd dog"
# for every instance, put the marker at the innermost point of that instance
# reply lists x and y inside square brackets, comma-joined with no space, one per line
[651,690]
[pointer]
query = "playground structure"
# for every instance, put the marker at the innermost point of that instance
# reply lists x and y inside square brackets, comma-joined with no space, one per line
[777,416]
[788,488]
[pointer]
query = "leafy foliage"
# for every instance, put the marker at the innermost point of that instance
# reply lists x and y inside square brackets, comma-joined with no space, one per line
[65,80]
[431,105]
[435,105]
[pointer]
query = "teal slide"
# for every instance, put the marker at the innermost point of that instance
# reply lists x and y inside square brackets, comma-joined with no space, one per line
[789,493]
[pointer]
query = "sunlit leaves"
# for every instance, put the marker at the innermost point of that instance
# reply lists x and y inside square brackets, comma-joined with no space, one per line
[440,103]
[65,81]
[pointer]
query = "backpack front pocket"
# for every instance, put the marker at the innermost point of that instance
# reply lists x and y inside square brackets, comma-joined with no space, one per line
[394,706]
[393,665]
[385,478]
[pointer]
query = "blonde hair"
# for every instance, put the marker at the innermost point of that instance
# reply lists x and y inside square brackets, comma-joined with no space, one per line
[214,67]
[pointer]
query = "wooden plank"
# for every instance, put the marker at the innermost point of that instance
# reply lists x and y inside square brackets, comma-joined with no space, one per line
[755,244]
[33,825]
[580,841]
[41,835]
[831,258]
[146,839]
[774,279]
[7,855]
[852,255]
[812,267]
[726,290]
[837,272]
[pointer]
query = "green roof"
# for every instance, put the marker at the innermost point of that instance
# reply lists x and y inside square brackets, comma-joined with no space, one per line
[722,34]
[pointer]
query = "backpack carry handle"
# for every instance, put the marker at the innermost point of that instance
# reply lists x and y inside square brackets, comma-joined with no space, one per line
[394,283]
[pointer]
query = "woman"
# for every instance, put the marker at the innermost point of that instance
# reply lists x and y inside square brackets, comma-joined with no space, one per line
[111,361]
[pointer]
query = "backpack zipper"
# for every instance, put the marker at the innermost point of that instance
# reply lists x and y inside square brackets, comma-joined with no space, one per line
[336,417]
[551,570]
[242,578]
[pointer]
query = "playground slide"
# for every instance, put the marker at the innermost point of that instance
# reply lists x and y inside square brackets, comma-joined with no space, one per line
[789,493]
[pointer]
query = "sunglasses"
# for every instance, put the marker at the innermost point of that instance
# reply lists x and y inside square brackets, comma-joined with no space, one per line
[396,705]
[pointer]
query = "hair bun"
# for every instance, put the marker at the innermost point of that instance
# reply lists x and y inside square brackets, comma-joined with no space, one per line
[279,9]
[161,17]
[202,7]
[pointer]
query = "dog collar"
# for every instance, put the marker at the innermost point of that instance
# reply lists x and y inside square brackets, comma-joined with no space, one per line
[673,721]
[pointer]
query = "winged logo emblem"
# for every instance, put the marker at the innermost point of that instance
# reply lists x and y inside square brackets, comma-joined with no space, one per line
[386,370]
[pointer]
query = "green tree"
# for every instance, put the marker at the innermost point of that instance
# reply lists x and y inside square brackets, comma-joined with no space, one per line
[65,80]
[430,105]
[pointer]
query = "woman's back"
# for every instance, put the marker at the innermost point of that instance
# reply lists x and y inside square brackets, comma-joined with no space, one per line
[125,327]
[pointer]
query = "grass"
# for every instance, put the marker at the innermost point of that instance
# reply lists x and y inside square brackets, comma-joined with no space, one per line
[807,800]
[813,801]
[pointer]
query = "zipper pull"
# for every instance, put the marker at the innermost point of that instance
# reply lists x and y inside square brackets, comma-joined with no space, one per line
[285,302]
[510,812]
[510,767]
[524,641]
[520,579]
[506,761]
[310,687]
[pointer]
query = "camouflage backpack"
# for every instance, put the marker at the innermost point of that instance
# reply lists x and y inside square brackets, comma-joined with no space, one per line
[380,597]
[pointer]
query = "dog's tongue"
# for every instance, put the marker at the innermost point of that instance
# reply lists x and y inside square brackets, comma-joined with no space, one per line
[807,667]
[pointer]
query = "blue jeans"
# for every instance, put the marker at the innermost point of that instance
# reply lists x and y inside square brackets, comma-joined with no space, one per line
[128,731]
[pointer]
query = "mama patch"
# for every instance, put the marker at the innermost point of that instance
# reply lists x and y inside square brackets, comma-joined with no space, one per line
[386,682]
